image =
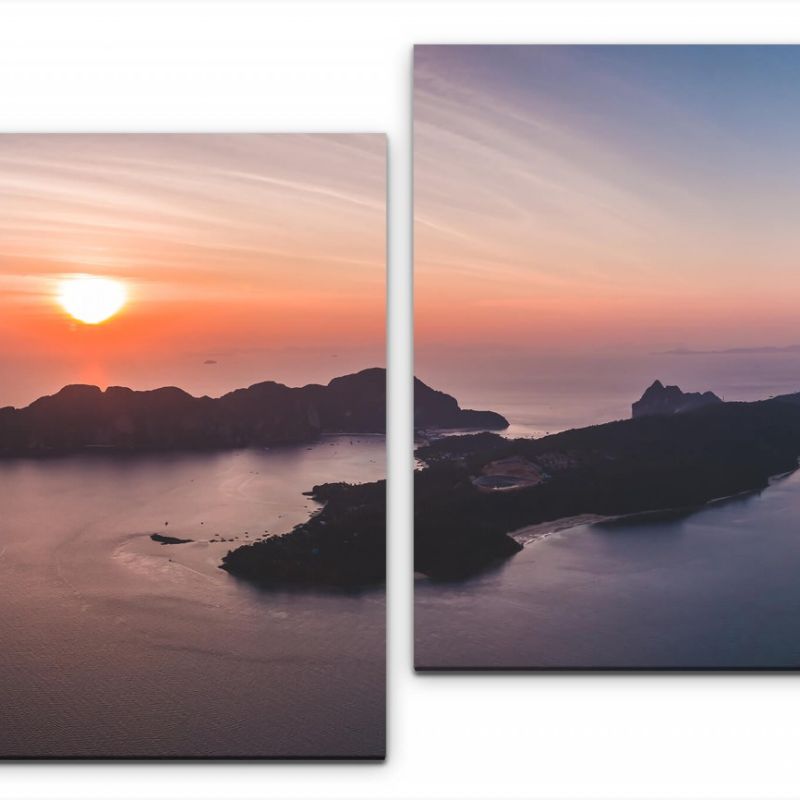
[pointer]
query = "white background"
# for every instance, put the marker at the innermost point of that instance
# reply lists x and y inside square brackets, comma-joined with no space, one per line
[346,66]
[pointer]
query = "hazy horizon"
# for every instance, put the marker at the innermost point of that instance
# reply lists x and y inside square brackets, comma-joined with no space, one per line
[606,200]
[264,254]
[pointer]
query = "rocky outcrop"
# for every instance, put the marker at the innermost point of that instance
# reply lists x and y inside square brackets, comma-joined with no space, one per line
[664,400]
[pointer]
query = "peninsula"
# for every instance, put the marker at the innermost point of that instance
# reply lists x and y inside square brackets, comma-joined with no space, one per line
[343,545]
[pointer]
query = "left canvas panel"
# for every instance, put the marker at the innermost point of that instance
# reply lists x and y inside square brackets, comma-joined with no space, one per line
[192,418]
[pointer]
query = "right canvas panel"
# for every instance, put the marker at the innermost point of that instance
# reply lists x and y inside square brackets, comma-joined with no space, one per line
[606,262]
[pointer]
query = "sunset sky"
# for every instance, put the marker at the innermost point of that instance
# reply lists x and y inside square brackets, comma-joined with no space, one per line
[579,199]
[244,258]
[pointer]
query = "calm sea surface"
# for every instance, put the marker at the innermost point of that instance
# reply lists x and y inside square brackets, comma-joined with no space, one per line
[114,645]
[717,588]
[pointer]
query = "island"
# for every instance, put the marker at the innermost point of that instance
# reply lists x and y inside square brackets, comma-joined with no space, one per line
[87,418]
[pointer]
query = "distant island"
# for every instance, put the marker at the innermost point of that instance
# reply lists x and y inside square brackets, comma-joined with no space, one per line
[478,489]
[81,417]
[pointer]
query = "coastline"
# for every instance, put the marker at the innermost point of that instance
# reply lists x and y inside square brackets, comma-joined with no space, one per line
[542,530]
[214,537]
[530,534]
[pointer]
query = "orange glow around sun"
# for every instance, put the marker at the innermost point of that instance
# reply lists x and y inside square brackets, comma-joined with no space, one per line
[207,262]
[91,299]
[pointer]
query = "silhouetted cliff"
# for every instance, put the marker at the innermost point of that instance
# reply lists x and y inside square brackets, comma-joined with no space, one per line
[434,409]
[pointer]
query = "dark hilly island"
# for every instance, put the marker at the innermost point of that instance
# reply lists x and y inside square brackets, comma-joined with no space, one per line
[82,417]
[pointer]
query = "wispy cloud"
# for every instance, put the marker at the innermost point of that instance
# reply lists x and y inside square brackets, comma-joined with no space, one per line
[621,184]
[245,242]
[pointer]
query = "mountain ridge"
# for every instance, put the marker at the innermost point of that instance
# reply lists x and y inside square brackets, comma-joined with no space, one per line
[83,416]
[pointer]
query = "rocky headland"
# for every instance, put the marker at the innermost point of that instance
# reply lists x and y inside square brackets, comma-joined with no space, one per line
[343,545]
[659,400]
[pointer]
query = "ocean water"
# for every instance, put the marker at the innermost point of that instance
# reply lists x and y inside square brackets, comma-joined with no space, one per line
[114,645]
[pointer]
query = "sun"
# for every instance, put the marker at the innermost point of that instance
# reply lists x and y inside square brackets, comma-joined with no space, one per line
[91,299]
